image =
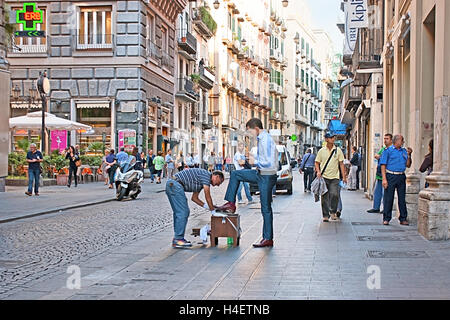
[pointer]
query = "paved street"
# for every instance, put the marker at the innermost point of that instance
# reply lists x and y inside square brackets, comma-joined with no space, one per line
[123,251]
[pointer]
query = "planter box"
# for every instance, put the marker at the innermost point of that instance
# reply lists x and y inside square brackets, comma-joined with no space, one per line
[24,182]
[62,179]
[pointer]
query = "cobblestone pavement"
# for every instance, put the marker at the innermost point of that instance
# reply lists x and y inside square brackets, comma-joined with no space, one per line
[121,255]
[34,248]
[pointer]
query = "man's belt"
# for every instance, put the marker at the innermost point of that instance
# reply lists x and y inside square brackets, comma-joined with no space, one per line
[267,172]
[393,172]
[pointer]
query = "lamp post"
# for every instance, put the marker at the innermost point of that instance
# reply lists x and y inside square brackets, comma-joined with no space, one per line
[43,85]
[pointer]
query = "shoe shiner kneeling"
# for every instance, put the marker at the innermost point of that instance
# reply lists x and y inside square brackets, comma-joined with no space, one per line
[192,180]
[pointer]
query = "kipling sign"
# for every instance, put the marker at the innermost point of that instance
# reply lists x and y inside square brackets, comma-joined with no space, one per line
[358,13]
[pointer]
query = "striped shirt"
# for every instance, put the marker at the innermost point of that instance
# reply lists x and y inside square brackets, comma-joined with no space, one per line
[194,179]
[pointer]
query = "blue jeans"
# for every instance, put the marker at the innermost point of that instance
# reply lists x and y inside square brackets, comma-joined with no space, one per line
[246,189]
[339,207]
[179,203]
[265,185]
[378,195]
[33,175]
[395,182]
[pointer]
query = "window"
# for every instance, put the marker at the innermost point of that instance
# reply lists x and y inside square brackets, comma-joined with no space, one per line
[150,28]
[307,49]
[303,43]
[94,28]
[303,76]
[164,39]
[31,44]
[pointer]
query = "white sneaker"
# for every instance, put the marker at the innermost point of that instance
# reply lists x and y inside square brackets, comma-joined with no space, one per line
[241,202]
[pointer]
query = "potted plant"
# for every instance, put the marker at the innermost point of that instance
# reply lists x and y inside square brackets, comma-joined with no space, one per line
[60,163]
[195,78]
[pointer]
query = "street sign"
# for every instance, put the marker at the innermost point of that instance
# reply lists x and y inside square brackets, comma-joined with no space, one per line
[29,17]
[38,34]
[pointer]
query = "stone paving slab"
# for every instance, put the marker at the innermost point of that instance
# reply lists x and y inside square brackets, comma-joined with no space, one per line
[310,260]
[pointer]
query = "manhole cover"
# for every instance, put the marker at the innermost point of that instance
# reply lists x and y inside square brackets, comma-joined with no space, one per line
[10,263]
[382,238]
[388,230]
[397,254]
[365,223]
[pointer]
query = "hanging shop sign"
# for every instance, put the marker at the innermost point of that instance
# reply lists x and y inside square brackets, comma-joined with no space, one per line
[59,140]
[127,139]
[29,17]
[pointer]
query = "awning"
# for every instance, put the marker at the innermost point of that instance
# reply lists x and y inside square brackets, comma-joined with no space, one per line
[91,105]
[337,127]
[25,105]
[33,120]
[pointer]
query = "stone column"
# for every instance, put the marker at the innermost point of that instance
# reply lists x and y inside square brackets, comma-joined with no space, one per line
[434,202]
[413,175]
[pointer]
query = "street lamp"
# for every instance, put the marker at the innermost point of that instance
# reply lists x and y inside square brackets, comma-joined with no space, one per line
[43,85]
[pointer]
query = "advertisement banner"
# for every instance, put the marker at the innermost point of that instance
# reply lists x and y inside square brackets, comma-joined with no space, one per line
[358,12]
[127,139]
[59,140]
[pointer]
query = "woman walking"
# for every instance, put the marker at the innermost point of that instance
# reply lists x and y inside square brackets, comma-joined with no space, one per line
[105,167]
[180,162]
[159,165]
[73,157]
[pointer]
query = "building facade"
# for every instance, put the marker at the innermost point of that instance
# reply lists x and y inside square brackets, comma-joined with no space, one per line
[398,82]
[111,65]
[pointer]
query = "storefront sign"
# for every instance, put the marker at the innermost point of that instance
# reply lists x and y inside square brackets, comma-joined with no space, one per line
[59,140]
[358,13]
[30,16]
[127,139]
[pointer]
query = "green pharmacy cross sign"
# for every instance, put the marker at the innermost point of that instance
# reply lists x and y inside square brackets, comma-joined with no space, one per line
[29,16]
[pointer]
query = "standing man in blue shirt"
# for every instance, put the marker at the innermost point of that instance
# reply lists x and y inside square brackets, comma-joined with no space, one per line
[307,168]
[265,176]
[394,162]
[34,159]
[122,155]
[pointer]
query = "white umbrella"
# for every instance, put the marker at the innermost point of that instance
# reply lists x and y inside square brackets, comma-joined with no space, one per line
[33,120]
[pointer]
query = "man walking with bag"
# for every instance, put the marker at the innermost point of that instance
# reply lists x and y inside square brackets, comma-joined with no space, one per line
[329,161]
[307,168]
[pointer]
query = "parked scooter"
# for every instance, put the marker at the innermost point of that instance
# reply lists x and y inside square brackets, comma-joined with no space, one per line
[128,180]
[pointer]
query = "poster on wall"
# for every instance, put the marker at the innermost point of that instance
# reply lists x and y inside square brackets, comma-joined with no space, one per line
[127,139]
[59,140]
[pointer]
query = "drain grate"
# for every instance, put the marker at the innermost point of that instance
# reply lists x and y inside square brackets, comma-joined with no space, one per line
[365,223]
[397,254]
[382,238]
[387,230]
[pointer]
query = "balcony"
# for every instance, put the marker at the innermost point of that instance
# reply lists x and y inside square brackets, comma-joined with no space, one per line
[153,51]
[204,23]
[298,83]
[284,63]
[187,42]
[28,49]
[206,77]
[267,66]
[167,61]
[274,116]
[94,42]
[250,95]
[316,66]
[351,96]
[301,119]
[186,90]
[207,122]
[273,87]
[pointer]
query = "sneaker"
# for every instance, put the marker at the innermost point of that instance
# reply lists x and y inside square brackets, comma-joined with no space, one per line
[229,207]
[338,214]
[373,211]
[181,243]
[241,202]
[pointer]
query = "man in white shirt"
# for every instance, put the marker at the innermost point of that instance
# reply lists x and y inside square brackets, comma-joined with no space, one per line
[239,161]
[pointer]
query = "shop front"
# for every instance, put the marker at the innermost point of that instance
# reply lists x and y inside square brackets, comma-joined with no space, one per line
[98,116]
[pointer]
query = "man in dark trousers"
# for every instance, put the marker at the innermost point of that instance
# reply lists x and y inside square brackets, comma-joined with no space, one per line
[307,168]
[34,159]
[394,162]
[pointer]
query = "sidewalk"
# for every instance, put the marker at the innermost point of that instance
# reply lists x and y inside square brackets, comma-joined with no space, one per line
[310,260]
[14,204]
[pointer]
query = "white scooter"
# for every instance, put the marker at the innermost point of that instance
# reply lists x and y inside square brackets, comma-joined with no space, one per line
[128,180]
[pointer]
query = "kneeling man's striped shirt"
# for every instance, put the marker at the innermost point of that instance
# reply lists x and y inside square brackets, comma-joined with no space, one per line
[194,179]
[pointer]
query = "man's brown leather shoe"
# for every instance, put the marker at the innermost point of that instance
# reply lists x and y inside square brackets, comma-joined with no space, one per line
[404,223]
[263,243]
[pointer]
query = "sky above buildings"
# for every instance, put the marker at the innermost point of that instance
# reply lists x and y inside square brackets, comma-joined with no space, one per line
[325,14]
